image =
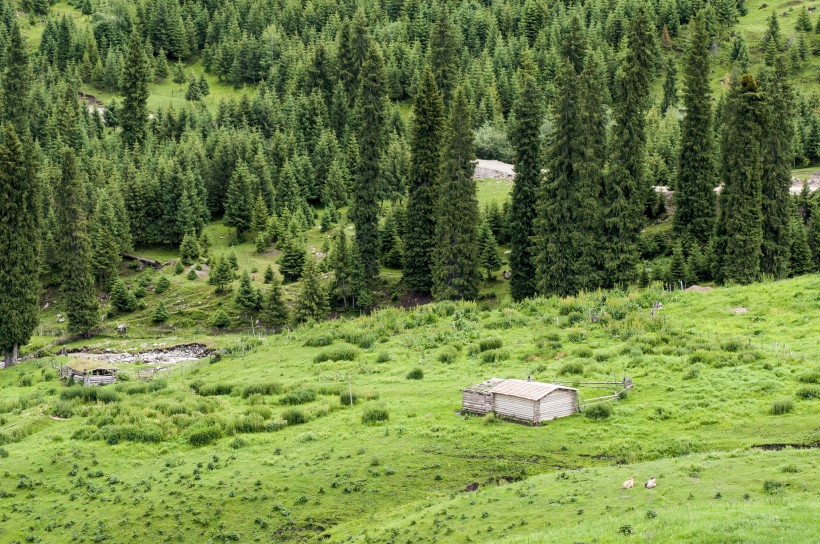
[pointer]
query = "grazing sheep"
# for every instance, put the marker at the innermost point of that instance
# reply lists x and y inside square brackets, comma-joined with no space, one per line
[629,484]
[651,483]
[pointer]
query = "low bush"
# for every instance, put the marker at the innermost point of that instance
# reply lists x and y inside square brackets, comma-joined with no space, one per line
[375,415]
[782,406]
[62,409]
[772,487]
[298,396]
[340,353]
[214,389]
[348,398]
[495,356]
[448,355]
[811,376]
[415,374]
[598,411]
[204,435]
[318,341]
[251,423]
[808,392]
[487,344]
[295,416]
[268,388]
[364,340]
[106,395]
[275,425]
[572,367]
[144,432]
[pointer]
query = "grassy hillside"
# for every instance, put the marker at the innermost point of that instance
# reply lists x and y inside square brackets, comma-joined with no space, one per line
[260,447]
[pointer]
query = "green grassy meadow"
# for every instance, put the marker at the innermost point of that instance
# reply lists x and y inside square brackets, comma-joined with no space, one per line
[259,445]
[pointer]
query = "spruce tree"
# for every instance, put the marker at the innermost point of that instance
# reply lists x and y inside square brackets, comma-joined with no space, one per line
[372,116]
[246,295]
[189,249]
[239,199]
[269,275]
[527,115]
[259,216]
[695,195]
[801,257]
[670,86]
[78,295]
[778,134]
[456,255]
[677,267]
[739,233]
[15,80]
[294,254]
[105,251]
[160,314]
[444,53]
[626,191]
[122,298]
[274,310]
[425,168]
[135,75]
[568,226]
[312,300]
[161,66]
[221,273]
[340,263]
[20,228]
[488,250]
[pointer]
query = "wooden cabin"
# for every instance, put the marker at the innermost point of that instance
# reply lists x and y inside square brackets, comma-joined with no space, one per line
[522,400]
[88,373]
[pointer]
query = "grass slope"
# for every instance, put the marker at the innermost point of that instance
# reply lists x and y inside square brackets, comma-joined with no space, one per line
[258,446]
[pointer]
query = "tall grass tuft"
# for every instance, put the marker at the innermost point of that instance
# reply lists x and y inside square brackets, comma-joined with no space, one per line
[375,415]
[339,353]
[782,406]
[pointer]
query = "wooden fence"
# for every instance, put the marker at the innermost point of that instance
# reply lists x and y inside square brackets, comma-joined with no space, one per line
[619,387]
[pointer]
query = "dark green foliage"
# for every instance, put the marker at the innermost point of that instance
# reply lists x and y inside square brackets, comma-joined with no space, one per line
[392,247]
[739,233]
[239,199]
[312,301]
[105,249]
[20,223]
[202,435]
[425,168]
[801,258]
[247,297]
[677,267]
[372,117]
[488,250]
[160,314]
[338,353]
[298,396]
[191,276]
[135,76]
[444,50]
[269,275]
[626,191]
[778,157]
[189,248]
[528,112]
[221,273]
[456,254]
[598,411]
[163,283]
[220,319]
[782,406]
[695,196]
[294,255]
[808,392]
[670,86]
[15,80]
[415,374]
[79,296]
[295,416]
[122,298]
[375,415]
[569,220]
[486,344]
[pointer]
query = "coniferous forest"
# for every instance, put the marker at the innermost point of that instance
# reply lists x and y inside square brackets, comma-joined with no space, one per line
[371,114]
[286,236]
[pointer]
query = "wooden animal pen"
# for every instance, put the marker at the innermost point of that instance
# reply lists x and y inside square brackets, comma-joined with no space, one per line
[478,399]
[88,373]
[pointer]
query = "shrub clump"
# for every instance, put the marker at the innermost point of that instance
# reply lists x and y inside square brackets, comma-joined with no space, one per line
[148,433]
[375,415]
[204,435]
[318,341]
[495,356]
[415,374]
[340,353]
[782,406]
[298,396]
[448,355]
[812,376]
[598,411]
[572,367]
[348,398]
[295,416]
[772,486]
[487,344]
[90,394]
[808,392]
[212,390]
[383,357]
[364,340]
[62,409]
[269,388]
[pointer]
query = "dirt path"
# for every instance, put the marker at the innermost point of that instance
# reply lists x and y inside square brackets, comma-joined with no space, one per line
[485,169]
[173,355]
[813,181]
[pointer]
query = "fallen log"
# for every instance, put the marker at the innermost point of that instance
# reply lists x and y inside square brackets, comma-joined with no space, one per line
[142,260]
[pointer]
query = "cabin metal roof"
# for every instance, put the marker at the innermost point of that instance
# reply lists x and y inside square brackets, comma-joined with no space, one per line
[527,390]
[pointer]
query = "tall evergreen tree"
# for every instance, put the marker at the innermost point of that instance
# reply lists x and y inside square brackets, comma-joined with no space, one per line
[340,263]
[135,75]
[456,255]
[670,86]
[312,301]
[694,194]
[79,297]
[488,248]
[372,117]
[239,200]
[568,224]
[274,310]
[105,250]
[20,226]
[246,296]
[778,134]
[627,192]
[15,80]
[425,169]
[527,118]
[444,53]
[739,233]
